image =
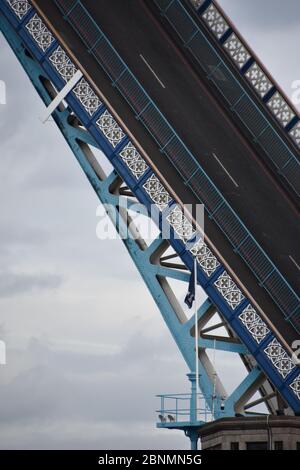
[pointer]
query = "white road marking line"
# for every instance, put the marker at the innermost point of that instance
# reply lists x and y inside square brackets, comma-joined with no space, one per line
[226,171]
[295,262]
[151,70]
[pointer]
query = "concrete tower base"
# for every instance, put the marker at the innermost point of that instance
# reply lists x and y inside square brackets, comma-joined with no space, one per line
[252,433]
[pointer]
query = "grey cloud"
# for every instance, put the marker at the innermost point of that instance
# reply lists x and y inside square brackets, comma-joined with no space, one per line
[56,392]
[98,392]
[264,14]
[89,436]
[25,236]
[16,94]
[13,284]
[47,176]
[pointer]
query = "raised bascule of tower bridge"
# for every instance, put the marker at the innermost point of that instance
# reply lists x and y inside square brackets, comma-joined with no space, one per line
[186,114]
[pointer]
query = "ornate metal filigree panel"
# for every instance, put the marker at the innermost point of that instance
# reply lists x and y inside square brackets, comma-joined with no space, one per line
[295,386]
[280,109]
[254,324]
[63,64]
[110,128]
[157,192]
[205,258]
[135,162]
[180,224]
[279,358]
[87,97]
[258,80]
[40,33]
[237,50]
[229,290]
[295,134]
[20,7]
[215,21]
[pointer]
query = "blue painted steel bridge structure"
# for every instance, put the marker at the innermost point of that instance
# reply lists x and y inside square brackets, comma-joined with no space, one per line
[48,39]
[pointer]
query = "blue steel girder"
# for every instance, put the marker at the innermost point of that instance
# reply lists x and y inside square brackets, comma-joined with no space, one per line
[267,352]
[193,175]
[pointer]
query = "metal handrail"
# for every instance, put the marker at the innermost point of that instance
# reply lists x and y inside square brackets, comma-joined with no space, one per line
[180,156]
[179,411]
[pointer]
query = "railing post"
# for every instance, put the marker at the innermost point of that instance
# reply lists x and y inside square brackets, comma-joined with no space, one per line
[66,15]
[193,400]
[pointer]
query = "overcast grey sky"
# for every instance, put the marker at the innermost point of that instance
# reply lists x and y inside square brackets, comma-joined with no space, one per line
[87,349]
